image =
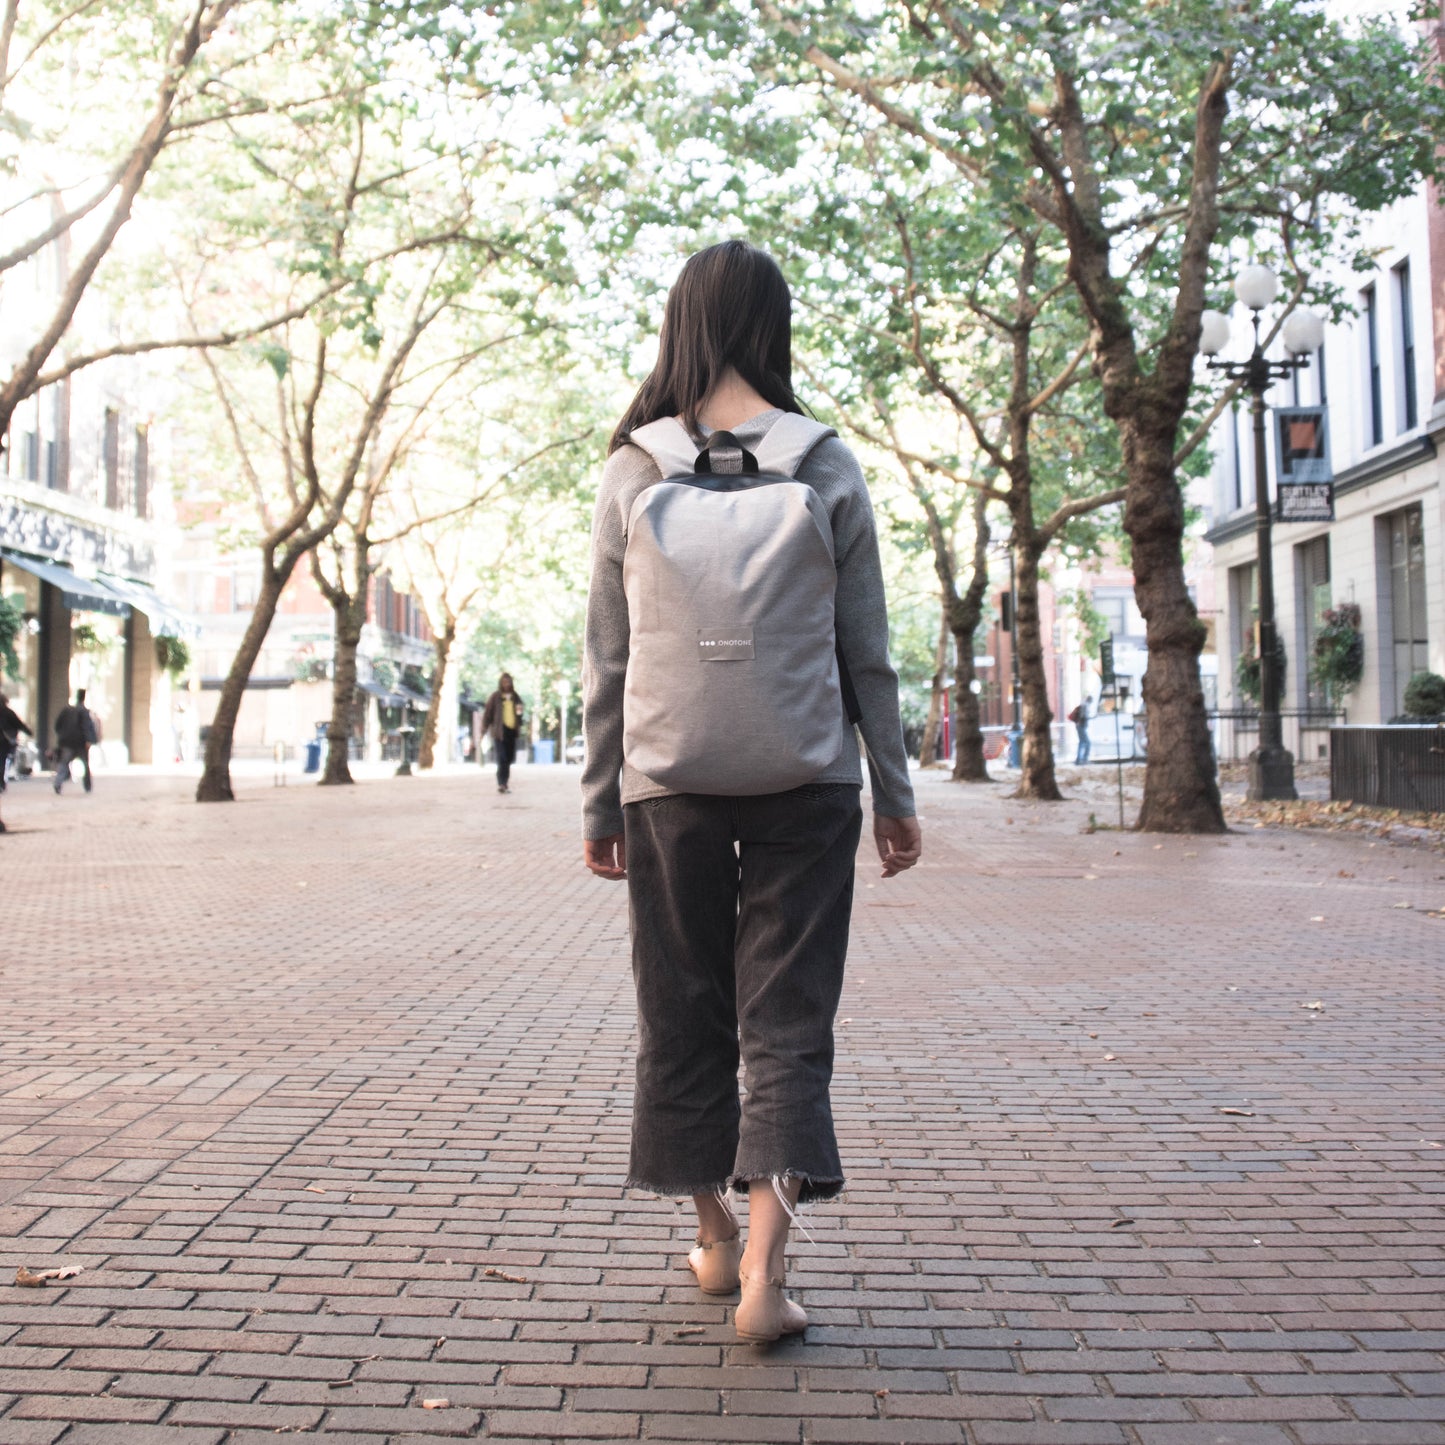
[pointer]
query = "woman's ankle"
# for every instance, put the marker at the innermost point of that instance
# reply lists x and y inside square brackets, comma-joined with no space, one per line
[764,1264]
[715,1221]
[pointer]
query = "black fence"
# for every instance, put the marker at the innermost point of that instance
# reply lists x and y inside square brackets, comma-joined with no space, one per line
[1306,732]
[1390,767]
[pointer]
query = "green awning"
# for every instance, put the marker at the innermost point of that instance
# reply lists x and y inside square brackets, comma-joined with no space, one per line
[80,594]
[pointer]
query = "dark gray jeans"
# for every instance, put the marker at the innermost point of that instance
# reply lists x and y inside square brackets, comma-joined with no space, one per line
[740,913]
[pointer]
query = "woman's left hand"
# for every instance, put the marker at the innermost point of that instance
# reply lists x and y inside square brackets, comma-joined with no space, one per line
[900,843]
[606,857]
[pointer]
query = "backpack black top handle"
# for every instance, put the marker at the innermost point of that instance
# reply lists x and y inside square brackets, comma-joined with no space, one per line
[724,448]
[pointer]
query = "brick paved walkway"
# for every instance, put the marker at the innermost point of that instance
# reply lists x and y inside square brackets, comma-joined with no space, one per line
[328,1092]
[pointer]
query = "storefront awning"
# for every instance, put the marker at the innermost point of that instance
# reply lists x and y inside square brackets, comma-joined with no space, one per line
[80,594]
[383,695]
[165,620]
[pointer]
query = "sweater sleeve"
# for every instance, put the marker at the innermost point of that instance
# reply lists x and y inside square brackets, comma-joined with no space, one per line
[862,622]
[604,653]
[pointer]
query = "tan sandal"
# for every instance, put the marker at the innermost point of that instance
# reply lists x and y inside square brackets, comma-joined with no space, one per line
[765,1313]
[715,1263]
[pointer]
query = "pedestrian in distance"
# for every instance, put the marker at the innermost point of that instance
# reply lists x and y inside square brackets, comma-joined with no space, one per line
[502,720]
[1080,719]
[736,632]
[10,729]
[76,732]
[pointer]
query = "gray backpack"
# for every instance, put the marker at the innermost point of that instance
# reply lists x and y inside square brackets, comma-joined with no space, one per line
[735,685]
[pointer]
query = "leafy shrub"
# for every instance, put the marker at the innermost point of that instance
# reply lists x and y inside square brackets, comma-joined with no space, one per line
[172,655]
[12,619]
[1247,671]
[1425,696]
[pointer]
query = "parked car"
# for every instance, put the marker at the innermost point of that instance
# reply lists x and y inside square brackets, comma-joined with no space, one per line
[576,750]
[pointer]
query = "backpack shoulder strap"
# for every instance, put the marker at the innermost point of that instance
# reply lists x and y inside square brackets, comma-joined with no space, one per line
[667,442]
[788,442]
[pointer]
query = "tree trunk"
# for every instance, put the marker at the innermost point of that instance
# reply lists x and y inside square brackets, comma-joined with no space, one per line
[969,763]
[1036,778]
[1181,788]
[444,640]
[929,747]
[215,784]
[349,618]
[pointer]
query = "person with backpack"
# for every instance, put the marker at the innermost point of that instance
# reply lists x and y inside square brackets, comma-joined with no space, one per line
[1080,719]
[75,734]
[736,632]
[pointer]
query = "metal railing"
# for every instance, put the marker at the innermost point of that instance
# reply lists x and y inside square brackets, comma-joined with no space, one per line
[1390,767]
[1307,732]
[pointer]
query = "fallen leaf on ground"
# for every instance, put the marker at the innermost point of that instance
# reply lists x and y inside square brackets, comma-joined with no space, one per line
[338,1384]
[1318,918]
[1317,1006]
[1120,1223]
[1239,1113]
[436,1404]
[492,1273]
[881,1394]
[1404,905]
[38,1278]
[315,1189]
[690,1330]
[1109,1058]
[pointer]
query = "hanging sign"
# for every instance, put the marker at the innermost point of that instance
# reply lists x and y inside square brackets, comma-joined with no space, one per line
[1304,487]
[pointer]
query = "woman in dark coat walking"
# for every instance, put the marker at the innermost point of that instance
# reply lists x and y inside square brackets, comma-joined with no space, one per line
[502,721]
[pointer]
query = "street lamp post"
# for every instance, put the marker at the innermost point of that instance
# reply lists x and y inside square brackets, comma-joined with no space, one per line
[1271,764]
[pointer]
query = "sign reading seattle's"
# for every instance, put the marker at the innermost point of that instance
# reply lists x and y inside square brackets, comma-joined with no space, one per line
[1304,487]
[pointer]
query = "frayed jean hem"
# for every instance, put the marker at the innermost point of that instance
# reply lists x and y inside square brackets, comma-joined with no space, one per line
[811,1189]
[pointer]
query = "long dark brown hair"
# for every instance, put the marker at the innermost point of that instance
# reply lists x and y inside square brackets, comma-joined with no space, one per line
[729,307]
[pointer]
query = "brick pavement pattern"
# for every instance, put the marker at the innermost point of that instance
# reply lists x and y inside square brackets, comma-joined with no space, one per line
[328,1092]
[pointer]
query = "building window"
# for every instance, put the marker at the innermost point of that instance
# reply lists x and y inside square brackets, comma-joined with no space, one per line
[245,589]
[31,459]
[1407,345]
[1312,574]
[142,472]
[1375,422]
[1243,605]
[1404,542]
[1237,458]
[1116,606]
[110,457]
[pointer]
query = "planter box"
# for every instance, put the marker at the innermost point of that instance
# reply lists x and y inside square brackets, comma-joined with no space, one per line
[1389,767]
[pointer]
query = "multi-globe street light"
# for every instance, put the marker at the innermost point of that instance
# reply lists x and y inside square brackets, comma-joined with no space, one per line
[1271,764]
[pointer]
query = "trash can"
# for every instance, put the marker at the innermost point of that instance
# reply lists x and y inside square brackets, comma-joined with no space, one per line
[544,751]
[313,756]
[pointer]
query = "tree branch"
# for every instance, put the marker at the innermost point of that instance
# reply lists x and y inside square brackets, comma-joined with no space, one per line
[201,25]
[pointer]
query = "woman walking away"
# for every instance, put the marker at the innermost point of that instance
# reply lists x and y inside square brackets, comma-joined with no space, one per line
[736,632]
[502,722]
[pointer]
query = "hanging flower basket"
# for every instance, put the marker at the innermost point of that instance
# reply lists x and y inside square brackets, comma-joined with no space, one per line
[1338,662]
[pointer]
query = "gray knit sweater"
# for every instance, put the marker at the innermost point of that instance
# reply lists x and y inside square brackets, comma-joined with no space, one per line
[861,617]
